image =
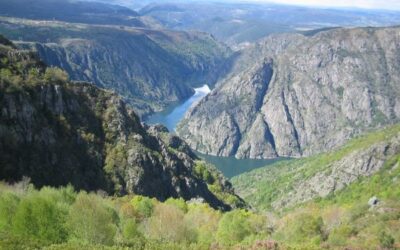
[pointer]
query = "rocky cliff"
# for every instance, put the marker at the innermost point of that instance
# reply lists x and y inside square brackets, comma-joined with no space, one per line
[149,68]
[295,95]
[57,132]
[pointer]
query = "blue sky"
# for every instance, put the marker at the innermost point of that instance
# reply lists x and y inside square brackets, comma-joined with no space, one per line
[368,4]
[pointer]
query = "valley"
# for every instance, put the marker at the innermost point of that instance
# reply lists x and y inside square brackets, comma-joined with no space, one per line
[199,124]
[229,166]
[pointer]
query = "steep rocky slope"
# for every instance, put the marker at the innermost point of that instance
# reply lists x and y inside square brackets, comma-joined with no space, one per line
[290,183]
[149,68]
[58,132]
[294,95]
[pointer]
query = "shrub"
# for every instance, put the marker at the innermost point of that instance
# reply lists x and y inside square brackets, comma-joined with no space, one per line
[179,203]
[55,75]
[40,218]
[8,206]
[143,205]
[203,221]
[340,235]
[91,220]
[303,227]
[167,224]
[233,227]
[386,240]
[130,229]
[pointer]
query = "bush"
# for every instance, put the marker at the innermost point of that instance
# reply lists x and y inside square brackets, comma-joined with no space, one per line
[386,240]
[92,221]
[55,75]
[167,224]
[203,220]
[302,228]
[340,235]
[40,218]
[130,229]
[179,203]
[8,206]
[233,227]
[143,205]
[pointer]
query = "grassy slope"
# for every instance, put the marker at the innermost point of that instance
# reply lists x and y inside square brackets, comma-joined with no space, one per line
[341,220]
[262,186]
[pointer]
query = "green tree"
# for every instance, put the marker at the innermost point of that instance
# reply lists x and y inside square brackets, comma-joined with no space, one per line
[55,75]
[91,220]
[40,218]
[143,205]
[233,227]
[8,206]
[303,227]
[179,203]
[203,220]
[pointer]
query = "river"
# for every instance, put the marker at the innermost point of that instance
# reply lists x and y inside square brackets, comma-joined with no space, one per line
[229,166]
[171,116]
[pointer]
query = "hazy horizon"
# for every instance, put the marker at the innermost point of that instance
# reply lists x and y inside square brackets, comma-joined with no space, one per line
[393,5]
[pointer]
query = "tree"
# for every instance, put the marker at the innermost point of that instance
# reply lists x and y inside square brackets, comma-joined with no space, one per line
[91,220]
[167,224]
[55,75]
[40,218]
[8,206]
[303,227]
[143,205]
[203,220]
[234,227]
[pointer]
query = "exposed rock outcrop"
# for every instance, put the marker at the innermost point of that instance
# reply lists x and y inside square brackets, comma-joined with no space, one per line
[292,95]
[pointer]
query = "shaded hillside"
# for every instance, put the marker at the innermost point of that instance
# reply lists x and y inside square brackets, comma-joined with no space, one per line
[149,68]
[292,95]
[57,132]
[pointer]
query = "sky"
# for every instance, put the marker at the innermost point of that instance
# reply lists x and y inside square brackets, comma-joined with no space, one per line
[367,4]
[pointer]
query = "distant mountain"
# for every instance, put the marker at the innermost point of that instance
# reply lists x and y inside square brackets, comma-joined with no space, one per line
[71,11]
[149,68]
[57,132]
[295,95]
[235,23]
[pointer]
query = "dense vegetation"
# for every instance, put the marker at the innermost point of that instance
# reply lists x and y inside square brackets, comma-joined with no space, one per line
[65,219]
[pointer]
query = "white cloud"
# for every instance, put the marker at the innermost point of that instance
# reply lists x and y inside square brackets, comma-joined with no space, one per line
[368,4]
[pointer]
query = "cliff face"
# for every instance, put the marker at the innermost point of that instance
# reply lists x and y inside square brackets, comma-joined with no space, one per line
[149,68]
[293,95]
[57,132]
